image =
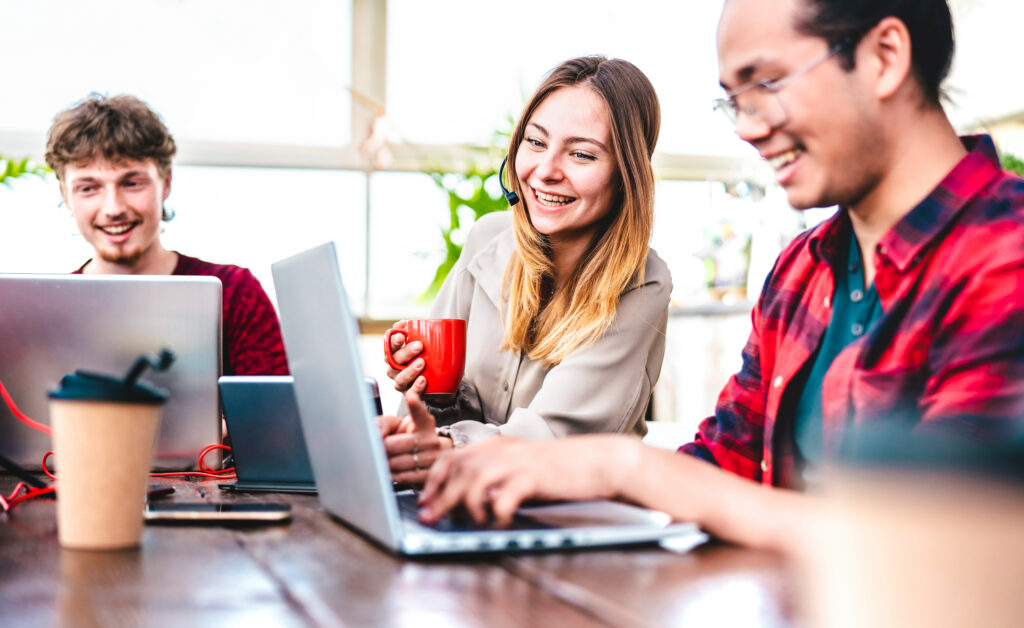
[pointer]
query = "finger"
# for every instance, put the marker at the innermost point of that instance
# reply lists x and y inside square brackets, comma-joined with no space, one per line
[438,474]
[405,353]
[440,494]
[398,444]
[468,481]
[416,478]
[476,495]
[505,500]
[419,461]
[388,424]
[397,342]
[408,375]
[416,467]
[407,426]
[420,414]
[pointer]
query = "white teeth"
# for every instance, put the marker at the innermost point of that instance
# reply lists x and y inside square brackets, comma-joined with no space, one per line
[785,158]
[552,199]
[117,229]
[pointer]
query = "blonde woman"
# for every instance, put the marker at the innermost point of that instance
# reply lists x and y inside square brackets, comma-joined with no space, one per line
[565,301]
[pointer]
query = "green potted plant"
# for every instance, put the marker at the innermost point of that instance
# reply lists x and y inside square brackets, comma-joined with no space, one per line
[471,194]
[1012,163]
[14,168]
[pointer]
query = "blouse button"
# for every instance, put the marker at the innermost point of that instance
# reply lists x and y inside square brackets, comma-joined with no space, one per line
[778,382]
[856,296]
[857,329]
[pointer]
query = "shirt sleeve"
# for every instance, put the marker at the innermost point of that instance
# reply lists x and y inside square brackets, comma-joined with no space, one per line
[252,333]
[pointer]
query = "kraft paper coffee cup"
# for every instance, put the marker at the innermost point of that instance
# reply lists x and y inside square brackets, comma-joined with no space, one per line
[104,432]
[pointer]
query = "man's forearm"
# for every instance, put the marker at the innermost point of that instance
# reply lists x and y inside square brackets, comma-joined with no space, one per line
[730,507]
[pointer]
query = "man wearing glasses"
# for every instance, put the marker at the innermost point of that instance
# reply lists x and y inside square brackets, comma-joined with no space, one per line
[905,308]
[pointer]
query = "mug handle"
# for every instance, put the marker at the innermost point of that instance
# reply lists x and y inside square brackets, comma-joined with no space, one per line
[390,357]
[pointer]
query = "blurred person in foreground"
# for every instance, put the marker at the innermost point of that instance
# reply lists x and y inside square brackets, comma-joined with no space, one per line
[566,303]
[112,157]
[906,308]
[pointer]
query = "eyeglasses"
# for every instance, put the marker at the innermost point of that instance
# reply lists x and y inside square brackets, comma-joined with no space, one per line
[761,100]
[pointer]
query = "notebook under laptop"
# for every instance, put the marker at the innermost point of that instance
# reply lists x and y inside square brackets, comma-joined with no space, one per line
[266,436]
[51,325]
[347,452]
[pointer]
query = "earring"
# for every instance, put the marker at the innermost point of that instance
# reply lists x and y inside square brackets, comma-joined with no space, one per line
[167,215]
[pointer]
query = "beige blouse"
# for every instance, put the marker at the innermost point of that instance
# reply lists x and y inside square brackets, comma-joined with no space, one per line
[603,387]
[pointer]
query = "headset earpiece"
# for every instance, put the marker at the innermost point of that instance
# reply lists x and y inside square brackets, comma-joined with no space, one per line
[510,196]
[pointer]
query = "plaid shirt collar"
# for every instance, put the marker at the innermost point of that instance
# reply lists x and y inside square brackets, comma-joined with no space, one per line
[908,237]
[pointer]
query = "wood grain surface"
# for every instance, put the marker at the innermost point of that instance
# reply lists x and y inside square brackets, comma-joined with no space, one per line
[317,571]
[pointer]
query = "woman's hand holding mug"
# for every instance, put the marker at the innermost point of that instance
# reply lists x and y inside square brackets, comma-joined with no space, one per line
[427,356]
[405,353]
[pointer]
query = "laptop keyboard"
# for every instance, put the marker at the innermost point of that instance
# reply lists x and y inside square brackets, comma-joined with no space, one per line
[458,521]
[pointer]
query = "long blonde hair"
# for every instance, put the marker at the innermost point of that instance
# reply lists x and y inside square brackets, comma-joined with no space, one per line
[550,329]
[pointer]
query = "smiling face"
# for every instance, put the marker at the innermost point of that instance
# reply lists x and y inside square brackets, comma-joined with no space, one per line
[827,146]
[118,209]
[566,166]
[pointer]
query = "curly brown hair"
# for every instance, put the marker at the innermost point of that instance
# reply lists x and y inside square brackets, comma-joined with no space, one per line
[115,128]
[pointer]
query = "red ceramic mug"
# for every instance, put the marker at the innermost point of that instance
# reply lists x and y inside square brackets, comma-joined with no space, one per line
[444,354]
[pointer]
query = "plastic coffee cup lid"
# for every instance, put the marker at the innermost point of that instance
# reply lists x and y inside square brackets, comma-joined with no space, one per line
[86,386]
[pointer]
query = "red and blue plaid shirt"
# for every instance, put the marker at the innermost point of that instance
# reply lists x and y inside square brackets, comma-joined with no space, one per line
[947,354]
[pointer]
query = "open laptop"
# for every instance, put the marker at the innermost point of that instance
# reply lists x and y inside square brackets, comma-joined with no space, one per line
[347,452]
[51,325]
[266,436]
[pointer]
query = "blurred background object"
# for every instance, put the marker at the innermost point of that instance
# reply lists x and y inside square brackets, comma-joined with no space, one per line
[919,530]
[11,168]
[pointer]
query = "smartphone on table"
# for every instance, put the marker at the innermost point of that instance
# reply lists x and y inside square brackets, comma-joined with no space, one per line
[212,512]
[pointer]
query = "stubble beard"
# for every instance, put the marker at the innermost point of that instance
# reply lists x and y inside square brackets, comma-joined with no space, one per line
[122,258]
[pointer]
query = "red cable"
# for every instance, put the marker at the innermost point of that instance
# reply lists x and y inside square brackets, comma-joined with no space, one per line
[16,490]
[45,470]
[5,500]
[17,413]
[206,450]
[36,492]
[9,502]
[205,470]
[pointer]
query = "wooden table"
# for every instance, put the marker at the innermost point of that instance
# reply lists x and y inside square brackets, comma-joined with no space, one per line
[316,571]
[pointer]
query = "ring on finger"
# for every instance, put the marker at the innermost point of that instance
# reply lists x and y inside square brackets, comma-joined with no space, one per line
[415,461]
[415,444]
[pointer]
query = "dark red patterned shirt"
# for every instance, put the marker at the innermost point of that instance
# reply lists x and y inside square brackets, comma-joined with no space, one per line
[947,354]
[252,335]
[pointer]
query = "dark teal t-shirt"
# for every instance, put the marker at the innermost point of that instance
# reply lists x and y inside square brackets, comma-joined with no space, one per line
[855,309]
